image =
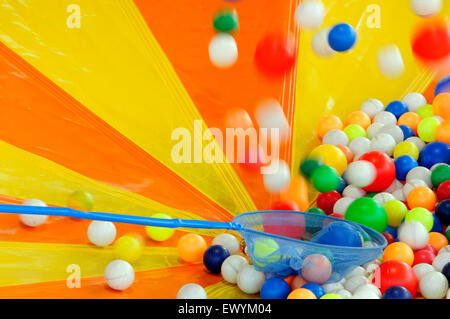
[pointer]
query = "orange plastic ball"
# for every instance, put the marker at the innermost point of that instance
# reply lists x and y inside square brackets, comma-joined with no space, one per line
[441,105]
[191,248]
[437,240]
[410,119]
[443,132]
[347,152]
[297,282]
[399,251]
[301,293]
[422,196]
[358,117]
[328,123]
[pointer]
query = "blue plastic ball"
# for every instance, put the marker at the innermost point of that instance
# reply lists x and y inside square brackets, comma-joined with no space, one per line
[446,271]
[407,131]
[315,288]
[338,234]
[391,230]
[398,108]
[437,226]
[443,86]
[397,292]
[275,288]
[341,186]
[342,37]
[214,257]
[403,164]
[433,153]
[442,211]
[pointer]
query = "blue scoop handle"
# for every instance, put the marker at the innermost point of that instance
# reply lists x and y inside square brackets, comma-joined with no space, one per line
[119,218]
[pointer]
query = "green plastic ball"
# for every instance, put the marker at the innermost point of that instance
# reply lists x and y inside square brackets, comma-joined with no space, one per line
[331,296]
[447,234]
[425,111]
[226,21]
[395,211]
[440,174]
[353,131]
[263,249]
[421,215]
[367,212]
[427,129]
[308,166]
[159,233]
[371,195]
[316,210]
[325,179]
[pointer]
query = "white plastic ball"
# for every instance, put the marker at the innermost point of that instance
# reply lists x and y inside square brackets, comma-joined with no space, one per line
[269,115]
[396,184]
[101,233]
[355,282]
[398,194]
[320,45]
[410,185]
[119,274]
[360,173]
[191,291]
[365,294]
[426,8]
[372,107]
[345,294]
[310,14]
[368,287]
[249,280]
[414,101]
[228,241]
[383,197]
[277,177]
[33,220]
[360,145]
[433,285]
[231,267]
[416,141]
[393,130]
[223,51]
[445,249]
[353,192]
[390,61]
[383,142]
[421,173]
[340,207]
[414,234]
[371,267]
[440,261]
[331,288]
[335,137]
[386,118]
[358,271]
[421,269]
[374,129]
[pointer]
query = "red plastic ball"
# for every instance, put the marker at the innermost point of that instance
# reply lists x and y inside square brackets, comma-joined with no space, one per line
[275,55]
[389,238]
[326,201]
[443,191]
[285,205]
[336,215]
[385,169]
[430,249]
[423,256]
[431,40]
[395,273]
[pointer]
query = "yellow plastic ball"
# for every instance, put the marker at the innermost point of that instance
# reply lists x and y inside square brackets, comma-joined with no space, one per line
[80,200]
[332,156]
[395,211]
[129,247]
[427,129]
[159,233]
[421,215]
[263,249]
[354,130]
[425,111]
[406,148]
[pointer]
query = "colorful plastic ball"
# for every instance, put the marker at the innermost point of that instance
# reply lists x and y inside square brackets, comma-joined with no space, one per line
[310,14]
[331,296]
[223,51]
[427,129]
[317,290]
[421,269]
[325,179]
[441,260]
[421,215]
[414,234]
[372,107]
[328,123]
[446,271]
[410,185]
[330,155]
[159,233]
[297,282]
[422,173]
[80,200]
[359,146]
[423,257]
[285,205]
[422,196]
[264,250]
[386,118]
[101,233]
[431,40]
[443,132]
[33,220]
[119,274]
[430,249]
[383,142]
[278,177]
[383,197]
[326,201]
[397,292]
[447,233]
[395,273]
[385,170]
[226,21]
[339,234]
[441,105]
[399,251]
[440,174]
[191,248]
[393,130]
[129,247]
[319,44]
[353,192]
[342,37]
[315,210]
[316,268]
[389,238]
[434,153]
[437,225]
[443,211]
[374,129]
[302,293]
[342,186]
[275,288]
[353,131]
[403,164]
[367,212]
[416,141]
[443,86]
[411,120]
[249,280]
[433,285]
[406,148]
[269,114]
[341,206]
[426,8]
[275,55]
[358,117]
[192,291]
[425,111]
[213,258]
[307,166]
[360,173]
[231,267]
[437,240]
[228,241]
[398,108]
[414,101]
[335,137]
[390,61]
